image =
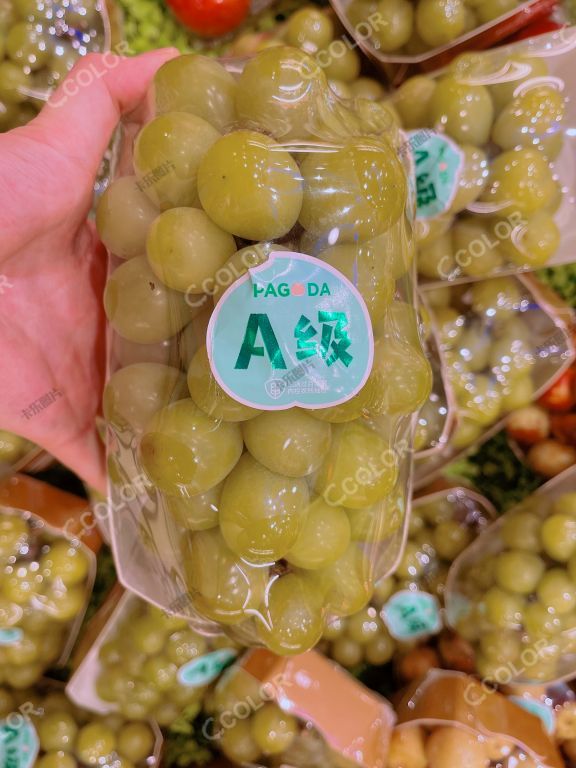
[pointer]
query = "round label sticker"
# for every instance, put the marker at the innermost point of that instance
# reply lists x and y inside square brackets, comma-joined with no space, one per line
[19,743]
[438,163]
[291,332]
[204,669]
[10,636]
[538,708]
[410,615]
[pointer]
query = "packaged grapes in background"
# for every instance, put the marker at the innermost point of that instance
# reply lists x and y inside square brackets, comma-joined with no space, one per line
[144,664]
[407,607]
[265,356]
[47,569]
[448,719]
[494,147]
[41,727]
[512,592]
[503,342]
[42,40]
[18,454]
[301,712]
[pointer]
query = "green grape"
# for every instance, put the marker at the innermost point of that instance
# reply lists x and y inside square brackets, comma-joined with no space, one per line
[368,271]
[539,619]
[185,452]
[533,243]
[348,411]
[436,258]
[394,27]
[140,308]
[521,530]
[198,85]
[56,760]
[123,217]
[519,69]
[7,702]
[472,180]
[536,113]
[224,588]
[380,650]
[450,325]
[450,538]
[135,393]
[261,512]
[290,442]
[26,46]
[482,401]
[273,730]
[149,634]
[160,673]
[57,731]
[557,591]
[343,65]
[517,394]
[185,249]
[209,395]
[25,651]
[64,604]
[367,88]
[503,609]
[518,571]
[360,469]
[292,614]
[21,584]
[474,347]
[237,743]
[496,299]
[309,29]
[359,10]
[368,198]
[196,513]
[23,676]
[383,589]
[347,584]
[346,652]
[394,251]
[565,504]
[401,378]
[279,92]
[412,101]
[324,537]
[166,713]
[476,250]
[15,83]
[470,19]
[66,562]
[333,630]
[462,111]
[61,62]
[364,626]
[250,186]
[511,358]
[558,535]
[95,741]
[167,155]
[489,10]
[520,179]
[440,21]
[184,645]
[238,264]
[13,535]
[501,647]
[341,90]
[413,563]
[113,683]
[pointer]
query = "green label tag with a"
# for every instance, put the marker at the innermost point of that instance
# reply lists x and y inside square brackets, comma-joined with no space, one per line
[538,708]
[291,332]
[205,669]
[410,615]
[438,164]
[19,743]
[10,636]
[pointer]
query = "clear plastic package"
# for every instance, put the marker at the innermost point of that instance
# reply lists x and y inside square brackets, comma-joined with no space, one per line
[287,297]
[46,571]
[512,593]
[503,343]
[18,454]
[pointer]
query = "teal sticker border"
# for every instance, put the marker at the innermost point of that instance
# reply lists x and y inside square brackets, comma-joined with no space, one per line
[436,135]
[387,614]
[10,636]
[25,750]
[221,658]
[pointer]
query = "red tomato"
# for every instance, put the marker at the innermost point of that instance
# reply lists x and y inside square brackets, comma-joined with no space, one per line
[562,395]
[210,18]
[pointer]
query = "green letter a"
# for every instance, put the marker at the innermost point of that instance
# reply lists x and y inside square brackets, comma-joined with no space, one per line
[259,322]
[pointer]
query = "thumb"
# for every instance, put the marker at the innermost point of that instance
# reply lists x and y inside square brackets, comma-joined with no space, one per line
[80,117]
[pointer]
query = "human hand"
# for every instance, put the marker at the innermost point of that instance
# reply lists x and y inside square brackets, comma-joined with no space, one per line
[52,266]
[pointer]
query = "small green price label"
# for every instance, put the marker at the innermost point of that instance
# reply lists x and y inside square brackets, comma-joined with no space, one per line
[438,164]
[410,615]
[10,636]
[19,743]
[205,669]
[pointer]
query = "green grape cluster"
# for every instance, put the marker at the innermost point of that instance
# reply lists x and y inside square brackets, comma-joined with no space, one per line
[40,41]
[140,662]
[45,581]
[509,133]
[70,737]
[439,530]
[12,448]
[279,509]
[519,591]
[489,351]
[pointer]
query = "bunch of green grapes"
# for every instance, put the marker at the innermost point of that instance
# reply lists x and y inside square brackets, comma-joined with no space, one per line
[489,349]
[45,581]
[439,530]
[141,660]
[515,595]
[411,28]
[12,449]
[281,508]
[40,41]
[70,737]
[507,193]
